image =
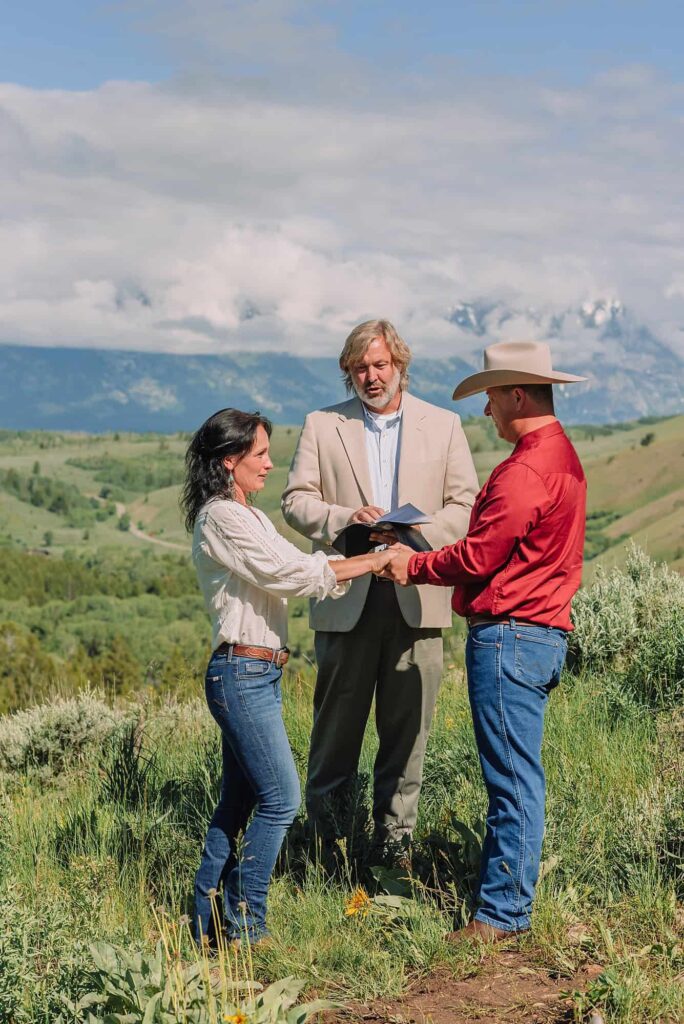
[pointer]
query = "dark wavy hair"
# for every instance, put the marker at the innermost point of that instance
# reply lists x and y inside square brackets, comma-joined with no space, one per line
[227,432]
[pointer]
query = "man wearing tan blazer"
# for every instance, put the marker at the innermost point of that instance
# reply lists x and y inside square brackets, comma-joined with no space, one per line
[353,462]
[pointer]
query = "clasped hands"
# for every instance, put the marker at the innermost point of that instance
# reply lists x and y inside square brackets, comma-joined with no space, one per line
[392,563]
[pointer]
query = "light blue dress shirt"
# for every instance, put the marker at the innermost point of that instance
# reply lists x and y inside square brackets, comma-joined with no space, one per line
[383,445]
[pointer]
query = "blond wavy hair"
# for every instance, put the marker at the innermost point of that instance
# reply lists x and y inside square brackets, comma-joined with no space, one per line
[356,346]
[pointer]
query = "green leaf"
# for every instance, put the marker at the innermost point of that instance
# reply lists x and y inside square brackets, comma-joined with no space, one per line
[156,967]
[394,881]
[302,1013]
[388,901]
[104,957]
[548,865]
[465,833]
[285,990]
[89,999]
[151,1009]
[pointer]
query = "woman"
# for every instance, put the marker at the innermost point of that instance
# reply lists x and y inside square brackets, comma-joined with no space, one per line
[246,571]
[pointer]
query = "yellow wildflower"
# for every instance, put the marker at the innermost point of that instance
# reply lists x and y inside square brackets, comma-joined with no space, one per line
[358,903]
[236,1018]
[449,722]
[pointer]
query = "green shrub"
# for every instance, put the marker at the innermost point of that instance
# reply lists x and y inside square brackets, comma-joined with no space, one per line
[139,988]
[41,956]
[56,735]
[631,623]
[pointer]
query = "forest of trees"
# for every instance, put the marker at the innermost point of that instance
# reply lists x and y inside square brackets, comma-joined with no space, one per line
[62,499]
[140,473]
[104,618]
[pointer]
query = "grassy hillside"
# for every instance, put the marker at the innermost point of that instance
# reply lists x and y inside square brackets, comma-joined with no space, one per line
[637,475]
[635,488]
[108,504]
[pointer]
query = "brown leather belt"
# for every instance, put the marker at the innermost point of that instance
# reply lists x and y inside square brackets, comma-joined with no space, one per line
[278,657]
[482,620]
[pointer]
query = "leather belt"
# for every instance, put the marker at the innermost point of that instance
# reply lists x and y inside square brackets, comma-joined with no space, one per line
[482,620]
[278,657]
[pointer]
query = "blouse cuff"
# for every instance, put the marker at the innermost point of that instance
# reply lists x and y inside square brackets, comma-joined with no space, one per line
[332,587]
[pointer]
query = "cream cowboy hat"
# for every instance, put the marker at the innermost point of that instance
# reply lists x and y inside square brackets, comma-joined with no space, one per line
[514,362]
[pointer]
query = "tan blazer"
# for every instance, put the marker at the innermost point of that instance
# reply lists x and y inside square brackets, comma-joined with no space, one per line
[329,480]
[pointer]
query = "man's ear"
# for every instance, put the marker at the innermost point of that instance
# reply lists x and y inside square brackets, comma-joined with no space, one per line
[520,396]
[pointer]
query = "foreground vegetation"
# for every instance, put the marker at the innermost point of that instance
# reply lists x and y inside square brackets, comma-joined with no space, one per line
[105,801]
[109,761]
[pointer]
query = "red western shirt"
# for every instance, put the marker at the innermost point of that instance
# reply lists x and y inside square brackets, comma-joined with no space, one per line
[522,555]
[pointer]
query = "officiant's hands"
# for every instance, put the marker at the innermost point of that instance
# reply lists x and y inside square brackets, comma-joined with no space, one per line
[388,536]
[397,566]
[368,514]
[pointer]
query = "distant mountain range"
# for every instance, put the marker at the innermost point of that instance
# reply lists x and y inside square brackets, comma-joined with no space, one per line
[631,374]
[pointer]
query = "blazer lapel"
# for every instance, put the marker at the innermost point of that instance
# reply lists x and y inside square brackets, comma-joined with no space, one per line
[412,423]
[352,434]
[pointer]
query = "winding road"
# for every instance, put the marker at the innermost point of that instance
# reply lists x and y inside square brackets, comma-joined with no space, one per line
[121,510]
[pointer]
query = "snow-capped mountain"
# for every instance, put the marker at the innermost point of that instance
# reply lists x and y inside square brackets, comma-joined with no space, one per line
[631,373]
[494,318]
[630,370]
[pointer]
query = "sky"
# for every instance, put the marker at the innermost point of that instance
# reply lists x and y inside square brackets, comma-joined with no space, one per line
[205,176]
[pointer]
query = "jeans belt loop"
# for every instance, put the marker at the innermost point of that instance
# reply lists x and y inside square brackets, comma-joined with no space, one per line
[512,622]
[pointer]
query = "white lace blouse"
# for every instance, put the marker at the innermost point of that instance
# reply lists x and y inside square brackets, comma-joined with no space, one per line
[247,570]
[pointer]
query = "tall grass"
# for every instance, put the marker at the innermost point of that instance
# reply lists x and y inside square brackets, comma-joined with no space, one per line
[102,812]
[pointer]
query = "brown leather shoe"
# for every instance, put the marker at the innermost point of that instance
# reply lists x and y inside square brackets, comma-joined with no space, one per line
[480,931]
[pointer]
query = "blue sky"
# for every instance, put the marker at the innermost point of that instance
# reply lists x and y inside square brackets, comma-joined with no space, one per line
[79,45]
[211,175]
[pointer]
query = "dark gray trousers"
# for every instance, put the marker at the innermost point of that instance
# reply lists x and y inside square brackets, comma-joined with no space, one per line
[402,667]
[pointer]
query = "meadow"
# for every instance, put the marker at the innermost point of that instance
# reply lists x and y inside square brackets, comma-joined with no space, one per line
[109,765]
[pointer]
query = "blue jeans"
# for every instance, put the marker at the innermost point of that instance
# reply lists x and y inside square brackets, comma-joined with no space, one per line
[245,698]
[511,671]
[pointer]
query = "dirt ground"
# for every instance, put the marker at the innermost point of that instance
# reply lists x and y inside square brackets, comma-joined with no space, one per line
[507,988]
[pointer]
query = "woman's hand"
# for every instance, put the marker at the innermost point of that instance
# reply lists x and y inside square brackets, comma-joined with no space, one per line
[380,559]
[359,565]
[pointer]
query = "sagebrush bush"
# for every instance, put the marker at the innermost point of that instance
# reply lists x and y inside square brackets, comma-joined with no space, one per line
[631,623]
[54,736]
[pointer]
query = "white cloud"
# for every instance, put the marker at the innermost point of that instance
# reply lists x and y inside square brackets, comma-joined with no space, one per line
[210,216]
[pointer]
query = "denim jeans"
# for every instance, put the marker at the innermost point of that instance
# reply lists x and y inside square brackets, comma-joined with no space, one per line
[245,698]
[511,671]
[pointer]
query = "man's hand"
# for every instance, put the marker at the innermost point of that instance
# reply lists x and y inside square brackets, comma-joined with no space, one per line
[397,567]
[387,536]
[367,514]
[379,560]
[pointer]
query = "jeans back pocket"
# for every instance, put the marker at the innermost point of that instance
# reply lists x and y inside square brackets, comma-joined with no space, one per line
[539,657]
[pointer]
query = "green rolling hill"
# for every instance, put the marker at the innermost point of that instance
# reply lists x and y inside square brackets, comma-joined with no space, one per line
[635,474]
[97,579]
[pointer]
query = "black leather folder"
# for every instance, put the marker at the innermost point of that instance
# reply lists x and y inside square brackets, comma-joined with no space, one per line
[355,539]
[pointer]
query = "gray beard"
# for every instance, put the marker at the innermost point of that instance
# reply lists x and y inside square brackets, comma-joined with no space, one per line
[383,400]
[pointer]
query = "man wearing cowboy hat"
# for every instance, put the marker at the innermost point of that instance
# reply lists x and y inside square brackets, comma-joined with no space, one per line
[514,575]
